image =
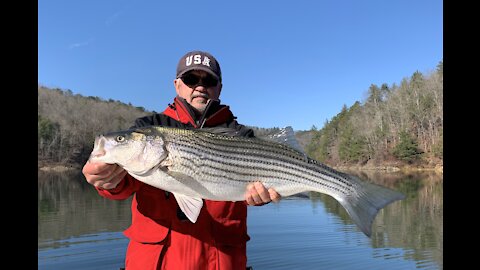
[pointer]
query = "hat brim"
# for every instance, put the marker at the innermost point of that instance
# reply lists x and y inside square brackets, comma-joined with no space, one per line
[209,71]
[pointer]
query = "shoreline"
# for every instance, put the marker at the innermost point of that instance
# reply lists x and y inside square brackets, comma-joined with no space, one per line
[58,167]
[390,169]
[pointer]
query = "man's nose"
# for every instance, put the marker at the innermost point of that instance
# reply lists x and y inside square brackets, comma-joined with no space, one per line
[200,88]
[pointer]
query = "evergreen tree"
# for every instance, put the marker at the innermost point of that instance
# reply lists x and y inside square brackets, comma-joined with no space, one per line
[46,129]
[374,95]
[440,68]
[352,147]
[407,148]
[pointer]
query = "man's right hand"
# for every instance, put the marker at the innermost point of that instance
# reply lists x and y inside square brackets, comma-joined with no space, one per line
[103,175]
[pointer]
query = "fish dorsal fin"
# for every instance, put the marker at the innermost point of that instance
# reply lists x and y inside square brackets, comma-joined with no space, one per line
[285,136]
[223,131]
[190,206]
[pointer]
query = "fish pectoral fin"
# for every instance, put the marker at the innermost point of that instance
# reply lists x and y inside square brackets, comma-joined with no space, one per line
[166,162]
[185,179]
[190,206]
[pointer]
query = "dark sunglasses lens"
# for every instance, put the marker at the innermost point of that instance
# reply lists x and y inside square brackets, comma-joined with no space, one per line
[190,79]
[210,81]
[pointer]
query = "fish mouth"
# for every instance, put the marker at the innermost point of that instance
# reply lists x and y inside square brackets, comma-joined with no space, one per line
[98,148]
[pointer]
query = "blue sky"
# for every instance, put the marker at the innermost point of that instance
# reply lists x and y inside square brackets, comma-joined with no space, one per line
[283,62]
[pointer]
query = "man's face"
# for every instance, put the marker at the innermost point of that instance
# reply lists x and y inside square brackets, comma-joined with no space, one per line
[197,92]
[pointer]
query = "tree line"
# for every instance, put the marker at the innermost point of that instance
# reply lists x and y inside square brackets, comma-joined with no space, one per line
[68,123]
[397,123]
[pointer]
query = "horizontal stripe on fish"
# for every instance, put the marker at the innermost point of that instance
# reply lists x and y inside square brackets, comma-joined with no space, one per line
[253,163]
[267,179]
[266,150]
[194,164]
[245,164]
[234,149]
[246,144]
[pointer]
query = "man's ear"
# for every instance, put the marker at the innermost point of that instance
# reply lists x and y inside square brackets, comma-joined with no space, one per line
[176,84]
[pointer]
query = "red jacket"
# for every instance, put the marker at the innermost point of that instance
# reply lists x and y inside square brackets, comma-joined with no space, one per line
[160,235]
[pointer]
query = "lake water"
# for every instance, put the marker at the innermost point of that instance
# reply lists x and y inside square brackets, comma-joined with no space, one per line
[78,229]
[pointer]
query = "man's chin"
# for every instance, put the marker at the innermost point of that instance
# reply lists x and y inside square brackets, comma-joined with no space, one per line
[200,101]
[199,105]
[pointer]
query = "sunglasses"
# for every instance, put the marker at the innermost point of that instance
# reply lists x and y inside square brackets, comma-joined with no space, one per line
[192,80]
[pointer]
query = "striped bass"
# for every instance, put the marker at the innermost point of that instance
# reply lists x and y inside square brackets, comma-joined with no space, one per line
[217,164]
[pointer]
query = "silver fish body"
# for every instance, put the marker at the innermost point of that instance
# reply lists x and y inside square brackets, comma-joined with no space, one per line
[199,164]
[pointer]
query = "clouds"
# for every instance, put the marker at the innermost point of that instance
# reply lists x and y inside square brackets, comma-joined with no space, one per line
[113,18]
[108,22]
[80,44]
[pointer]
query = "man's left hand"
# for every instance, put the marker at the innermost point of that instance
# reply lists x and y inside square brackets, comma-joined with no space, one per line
[257,194]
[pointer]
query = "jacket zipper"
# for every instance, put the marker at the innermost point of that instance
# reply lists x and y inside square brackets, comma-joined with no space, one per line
[188,112]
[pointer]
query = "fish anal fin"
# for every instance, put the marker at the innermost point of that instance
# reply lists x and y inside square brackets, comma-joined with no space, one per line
[190,206]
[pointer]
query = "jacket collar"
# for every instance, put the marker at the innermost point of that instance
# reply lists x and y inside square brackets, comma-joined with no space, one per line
[214,114]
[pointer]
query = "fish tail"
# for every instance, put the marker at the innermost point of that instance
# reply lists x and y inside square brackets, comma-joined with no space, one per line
[364,204]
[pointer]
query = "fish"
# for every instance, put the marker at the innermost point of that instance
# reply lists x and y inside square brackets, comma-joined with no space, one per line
[218,164]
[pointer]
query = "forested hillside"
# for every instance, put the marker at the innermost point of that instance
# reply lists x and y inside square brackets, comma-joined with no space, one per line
[397,124]
[68,124]
[394,125]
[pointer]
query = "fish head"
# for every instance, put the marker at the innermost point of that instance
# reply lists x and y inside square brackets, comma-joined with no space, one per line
[137,150]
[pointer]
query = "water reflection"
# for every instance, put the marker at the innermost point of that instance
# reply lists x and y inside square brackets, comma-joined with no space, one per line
[69,207]
[414,224]
[73,220]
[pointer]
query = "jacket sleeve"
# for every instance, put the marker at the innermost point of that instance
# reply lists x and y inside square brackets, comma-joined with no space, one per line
[123,190]
[243,130]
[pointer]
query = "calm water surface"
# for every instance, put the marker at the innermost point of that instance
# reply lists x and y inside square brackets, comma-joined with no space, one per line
[78,229]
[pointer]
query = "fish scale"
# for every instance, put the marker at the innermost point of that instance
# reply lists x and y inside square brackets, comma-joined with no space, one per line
[213,144]
[216,164]
[246,166]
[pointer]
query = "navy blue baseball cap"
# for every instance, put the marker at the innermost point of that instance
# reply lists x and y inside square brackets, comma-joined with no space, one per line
[199,60]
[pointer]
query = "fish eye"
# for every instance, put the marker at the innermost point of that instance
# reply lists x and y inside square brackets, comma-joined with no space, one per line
[120,138]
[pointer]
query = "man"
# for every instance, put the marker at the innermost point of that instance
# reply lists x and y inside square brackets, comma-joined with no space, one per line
[161,237]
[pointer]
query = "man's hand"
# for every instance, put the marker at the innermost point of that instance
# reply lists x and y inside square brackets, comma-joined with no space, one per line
[103,175]
[257,194]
